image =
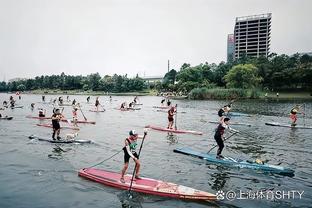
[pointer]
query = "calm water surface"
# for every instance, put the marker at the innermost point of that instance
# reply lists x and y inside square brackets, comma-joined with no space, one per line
[38,174]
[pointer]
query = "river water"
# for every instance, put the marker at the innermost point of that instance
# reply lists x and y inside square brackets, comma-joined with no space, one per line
[40,174]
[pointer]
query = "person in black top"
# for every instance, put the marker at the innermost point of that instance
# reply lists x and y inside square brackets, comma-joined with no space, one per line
[56,117]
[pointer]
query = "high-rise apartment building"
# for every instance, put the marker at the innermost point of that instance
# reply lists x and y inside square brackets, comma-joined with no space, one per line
[252,35]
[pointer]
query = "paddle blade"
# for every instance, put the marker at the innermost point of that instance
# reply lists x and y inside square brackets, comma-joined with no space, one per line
[130,199]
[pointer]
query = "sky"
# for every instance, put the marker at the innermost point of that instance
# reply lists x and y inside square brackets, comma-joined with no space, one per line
[44,37]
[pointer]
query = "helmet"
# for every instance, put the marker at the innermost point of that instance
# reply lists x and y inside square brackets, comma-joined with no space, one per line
[132,132]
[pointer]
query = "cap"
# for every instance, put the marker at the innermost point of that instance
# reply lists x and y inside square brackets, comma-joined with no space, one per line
[132,132]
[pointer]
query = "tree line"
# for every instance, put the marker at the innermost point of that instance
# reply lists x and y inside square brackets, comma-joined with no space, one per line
[275,72]
[94,82]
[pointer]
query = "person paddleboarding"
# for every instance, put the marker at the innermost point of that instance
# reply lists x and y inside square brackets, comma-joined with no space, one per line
[75,116]
[41,113]
[293,114]
[224,111]
[56,117]
[130,152]
[97,103]
[171,113]
[219,135]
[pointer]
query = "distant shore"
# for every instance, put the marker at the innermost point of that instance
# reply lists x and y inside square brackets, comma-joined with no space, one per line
[271,96]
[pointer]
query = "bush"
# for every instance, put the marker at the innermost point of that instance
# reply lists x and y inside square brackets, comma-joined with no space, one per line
[218,93]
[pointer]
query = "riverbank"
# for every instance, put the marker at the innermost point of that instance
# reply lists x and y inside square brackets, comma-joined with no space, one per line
[91,93]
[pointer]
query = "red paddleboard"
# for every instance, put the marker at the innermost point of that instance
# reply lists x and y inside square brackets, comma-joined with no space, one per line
[37,117]
[145,185]
[174,130]
[63,120]
[63,127]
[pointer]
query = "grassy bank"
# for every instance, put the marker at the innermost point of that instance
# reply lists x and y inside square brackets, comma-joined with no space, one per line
[91,93]
[221,93]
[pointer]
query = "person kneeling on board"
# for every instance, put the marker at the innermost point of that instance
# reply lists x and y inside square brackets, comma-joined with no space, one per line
[129,151]
[41,113]
[56,117]
[219,135]
[293,115]
[171,113]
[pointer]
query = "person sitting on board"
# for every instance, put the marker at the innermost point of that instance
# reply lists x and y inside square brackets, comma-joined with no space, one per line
[88,99]
[131,105]
[163,101]
[110,98]
[67,98]
[224,111]
[75,116]
[56,117]
[293,114]
[168,103]
[12,103]
[32,106]
[74,102]
[5,103]
[43,98]
[129,151]
[170,117]
[97,103]
[219,135]
[41,113]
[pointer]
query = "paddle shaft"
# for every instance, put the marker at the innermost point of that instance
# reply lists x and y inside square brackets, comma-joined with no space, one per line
[102,107]
[135,163]
[68,121]
[224,141]
[82,113]
[176,117]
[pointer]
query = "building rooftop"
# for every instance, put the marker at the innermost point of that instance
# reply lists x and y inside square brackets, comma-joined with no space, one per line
[253,17]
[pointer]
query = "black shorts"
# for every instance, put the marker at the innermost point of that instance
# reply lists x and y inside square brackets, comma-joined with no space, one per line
[56,126]
[170,119]
[127,156]
[219,140]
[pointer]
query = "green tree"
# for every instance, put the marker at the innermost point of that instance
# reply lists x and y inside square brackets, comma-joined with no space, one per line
[243,76]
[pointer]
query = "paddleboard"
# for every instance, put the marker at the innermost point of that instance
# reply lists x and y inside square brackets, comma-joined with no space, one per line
[231,123]
[229,161]
[145,185]
[63,120]
[173,130]
[64,141]
[99,111]
[17,107]
[237,114]
[6,118]
[62,127]
[287,125]
[162,107]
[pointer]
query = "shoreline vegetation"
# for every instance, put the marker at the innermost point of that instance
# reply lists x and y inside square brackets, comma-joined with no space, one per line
[196,94]
[275,76]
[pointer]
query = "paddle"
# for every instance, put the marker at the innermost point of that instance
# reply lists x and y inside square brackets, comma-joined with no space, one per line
[304,114]
[176,117]
[223,140]
[145,133]
[82,112]
[102,107]
[67,120]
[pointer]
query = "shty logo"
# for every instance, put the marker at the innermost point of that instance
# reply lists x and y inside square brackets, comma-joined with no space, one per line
[220,195]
